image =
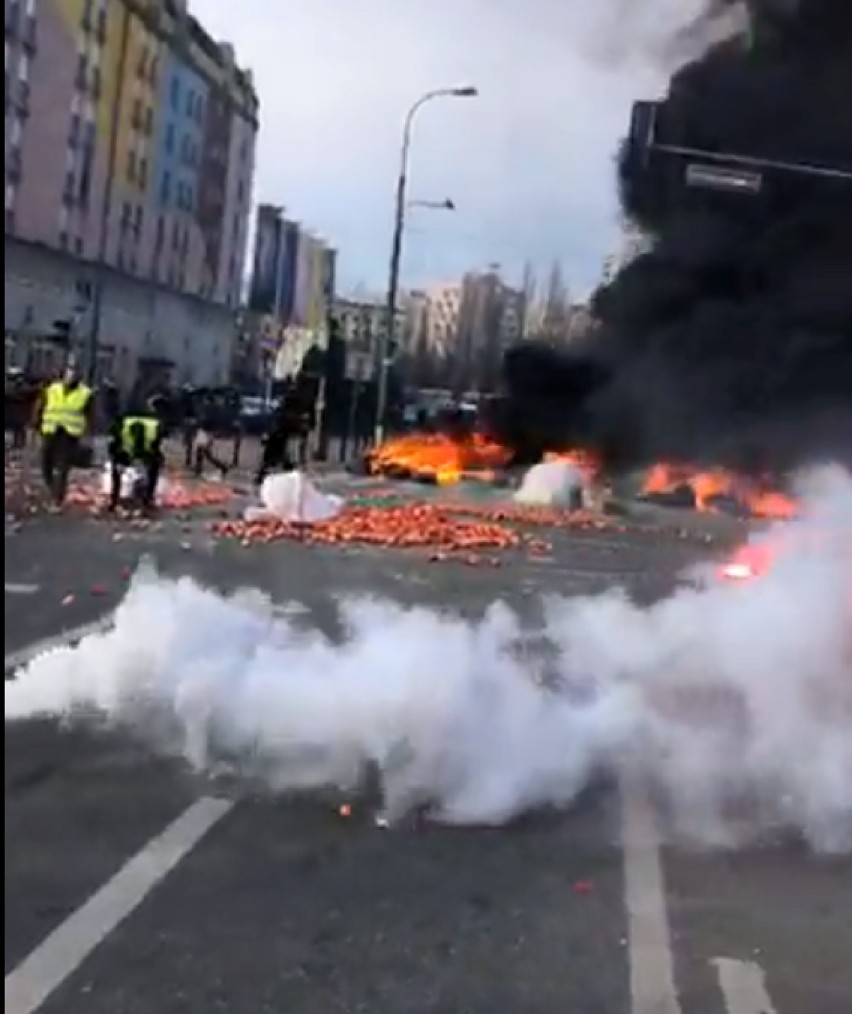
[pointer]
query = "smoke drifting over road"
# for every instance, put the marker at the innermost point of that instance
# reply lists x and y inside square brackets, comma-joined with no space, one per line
[733,699]
[731,337]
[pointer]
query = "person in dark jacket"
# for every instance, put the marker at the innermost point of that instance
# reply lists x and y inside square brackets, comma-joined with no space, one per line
[276,442]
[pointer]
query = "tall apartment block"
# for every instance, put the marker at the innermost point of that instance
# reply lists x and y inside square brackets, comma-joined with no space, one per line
[130,140]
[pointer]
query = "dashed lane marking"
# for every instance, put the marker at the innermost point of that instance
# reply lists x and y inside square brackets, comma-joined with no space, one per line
[41,973]
[743,986]
[652,980]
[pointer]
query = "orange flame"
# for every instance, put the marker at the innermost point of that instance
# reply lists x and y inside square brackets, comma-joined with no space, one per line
[756,496]
[438,456]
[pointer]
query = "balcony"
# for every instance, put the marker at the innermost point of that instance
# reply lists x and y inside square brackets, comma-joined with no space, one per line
[22,98]
[13,165]
[29,33]
[13,19]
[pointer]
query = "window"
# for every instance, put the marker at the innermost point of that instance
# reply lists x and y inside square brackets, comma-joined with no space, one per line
[190,103]
[131,166]
[175,93]
[170,138]
[166,188]
[143,172]
[149,121]
[138,218]
[16,131]
[23,67]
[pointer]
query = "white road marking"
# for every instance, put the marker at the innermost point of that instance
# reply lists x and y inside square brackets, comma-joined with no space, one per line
[17,659]
[652,981]
[743,986]
[12,588]
[67,947]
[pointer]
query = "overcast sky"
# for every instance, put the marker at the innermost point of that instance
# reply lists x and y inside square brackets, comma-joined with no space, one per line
[529,163]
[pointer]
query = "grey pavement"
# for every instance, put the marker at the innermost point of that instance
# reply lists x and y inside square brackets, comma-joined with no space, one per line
[285,906]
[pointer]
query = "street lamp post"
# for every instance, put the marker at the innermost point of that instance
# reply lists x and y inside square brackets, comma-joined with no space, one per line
[396,249]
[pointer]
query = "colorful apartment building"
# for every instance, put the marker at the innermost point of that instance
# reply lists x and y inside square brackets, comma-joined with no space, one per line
[130,138]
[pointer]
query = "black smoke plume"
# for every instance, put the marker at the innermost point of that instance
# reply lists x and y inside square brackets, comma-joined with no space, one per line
[730,339]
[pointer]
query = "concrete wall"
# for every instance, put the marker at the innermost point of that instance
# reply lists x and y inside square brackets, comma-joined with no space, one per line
[139,321]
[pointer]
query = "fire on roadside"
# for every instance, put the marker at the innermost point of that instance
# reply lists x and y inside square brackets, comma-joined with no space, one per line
[757,497]
[439,457]
[446,460]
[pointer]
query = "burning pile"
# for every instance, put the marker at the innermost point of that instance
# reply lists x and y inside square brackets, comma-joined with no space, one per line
[705,490]
[439,458]
[446,459]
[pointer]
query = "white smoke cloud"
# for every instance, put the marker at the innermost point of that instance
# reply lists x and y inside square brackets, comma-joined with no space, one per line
[734,699]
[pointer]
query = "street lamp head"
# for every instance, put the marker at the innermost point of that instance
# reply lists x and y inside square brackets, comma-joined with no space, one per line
[449,204]
[468,92]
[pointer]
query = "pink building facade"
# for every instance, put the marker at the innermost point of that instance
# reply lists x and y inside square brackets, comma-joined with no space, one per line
[130,145]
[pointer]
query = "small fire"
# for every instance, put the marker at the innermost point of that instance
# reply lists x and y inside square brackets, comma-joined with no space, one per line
[440,457]
[749,562]
[447,460]
[756,496]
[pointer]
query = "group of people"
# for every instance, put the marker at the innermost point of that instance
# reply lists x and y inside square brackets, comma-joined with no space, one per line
[63,417]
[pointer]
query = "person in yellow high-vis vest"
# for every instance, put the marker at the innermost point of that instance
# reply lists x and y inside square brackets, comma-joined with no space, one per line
[136,439]
[63,412]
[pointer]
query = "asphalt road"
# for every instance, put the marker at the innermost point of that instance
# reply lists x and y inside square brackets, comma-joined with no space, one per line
[253,904]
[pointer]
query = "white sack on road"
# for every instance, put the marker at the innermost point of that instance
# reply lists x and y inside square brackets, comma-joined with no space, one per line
[129,478]
[291,496]
[552,484]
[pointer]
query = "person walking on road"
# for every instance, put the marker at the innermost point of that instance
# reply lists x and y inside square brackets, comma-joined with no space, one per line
[276,441]
[63,417]
[136,439]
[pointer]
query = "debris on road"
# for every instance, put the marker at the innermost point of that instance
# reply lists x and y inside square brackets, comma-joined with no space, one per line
[176,495]
[408,526]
